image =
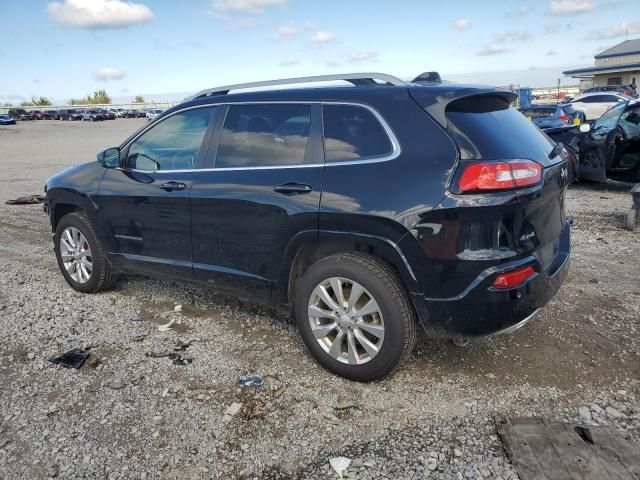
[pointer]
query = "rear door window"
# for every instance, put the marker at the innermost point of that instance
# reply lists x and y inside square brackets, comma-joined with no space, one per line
[267,135]
[353,133]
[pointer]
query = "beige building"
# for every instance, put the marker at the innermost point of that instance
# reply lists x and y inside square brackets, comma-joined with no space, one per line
[619,65]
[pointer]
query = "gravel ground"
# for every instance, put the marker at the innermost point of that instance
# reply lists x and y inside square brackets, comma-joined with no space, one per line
[128,413]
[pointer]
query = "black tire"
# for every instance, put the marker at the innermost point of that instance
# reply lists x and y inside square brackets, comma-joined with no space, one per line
[102,277]
[381,281]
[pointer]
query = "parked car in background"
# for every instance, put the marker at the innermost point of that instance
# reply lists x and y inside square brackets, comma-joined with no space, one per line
[70,114]
[609,149]
[7,120]
[50,115]
[142,113]
[117,112]
[107,114]
[92,115]
[153,113]
[20,114]
[593,105]
[548,116]
[130,113]
[628,90]
[276,195]
[37,114]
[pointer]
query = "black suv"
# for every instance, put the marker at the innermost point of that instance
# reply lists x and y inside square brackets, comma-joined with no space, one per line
[20,114]
[369,209]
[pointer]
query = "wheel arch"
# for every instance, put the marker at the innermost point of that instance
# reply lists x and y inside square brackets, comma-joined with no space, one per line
[308,247]
[61,202]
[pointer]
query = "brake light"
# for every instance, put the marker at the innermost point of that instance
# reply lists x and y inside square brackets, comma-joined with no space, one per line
[487,176]
[513,278]
[564,118]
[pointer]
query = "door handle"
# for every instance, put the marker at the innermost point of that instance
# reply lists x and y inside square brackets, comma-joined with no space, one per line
[292,188]
[171,186]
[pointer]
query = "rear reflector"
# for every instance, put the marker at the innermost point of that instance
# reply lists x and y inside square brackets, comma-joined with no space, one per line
[487,176]
[514,278]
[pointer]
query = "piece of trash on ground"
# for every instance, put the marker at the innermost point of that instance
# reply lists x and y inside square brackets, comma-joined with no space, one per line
[181,346]
[343,404]
[254,408]
[339,464]
[177,358]
[250,381]
[92,362]
[233,409]
[167,326]
[115,385]
[27,200]
[138,338]
[74,358]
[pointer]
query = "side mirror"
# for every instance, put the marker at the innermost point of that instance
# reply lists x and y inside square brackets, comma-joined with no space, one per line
[109,158]
[585,128]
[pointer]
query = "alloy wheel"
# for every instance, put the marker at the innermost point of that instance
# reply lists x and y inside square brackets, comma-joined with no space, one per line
[76,255]
[346,321]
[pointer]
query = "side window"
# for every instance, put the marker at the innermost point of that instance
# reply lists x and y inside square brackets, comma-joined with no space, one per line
[353,133]
[630,123]
[173,144]
[267,135]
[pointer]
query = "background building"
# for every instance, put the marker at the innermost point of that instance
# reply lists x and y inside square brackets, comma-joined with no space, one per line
[619,65]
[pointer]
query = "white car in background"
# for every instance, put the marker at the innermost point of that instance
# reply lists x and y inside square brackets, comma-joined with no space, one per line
[593,105]
[153,113]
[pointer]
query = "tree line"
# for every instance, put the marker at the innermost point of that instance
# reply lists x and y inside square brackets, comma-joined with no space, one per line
[99,97]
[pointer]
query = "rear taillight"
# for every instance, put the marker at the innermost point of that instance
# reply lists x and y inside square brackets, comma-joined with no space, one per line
[513,278]
[487,176]
[564,118]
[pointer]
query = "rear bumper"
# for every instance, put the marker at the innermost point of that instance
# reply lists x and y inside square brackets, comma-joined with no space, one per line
[480,310]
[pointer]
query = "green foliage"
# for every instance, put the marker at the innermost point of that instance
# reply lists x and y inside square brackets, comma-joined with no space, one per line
[99,97]
[138,99]
[36,102]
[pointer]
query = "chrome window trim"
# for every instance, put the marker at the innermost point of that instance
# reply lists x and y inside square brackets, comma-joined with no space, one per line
[395,151]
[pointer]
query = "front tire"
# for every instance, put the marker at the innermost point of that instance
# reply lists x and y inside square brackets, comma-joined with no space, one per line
[354,316]
[81,256]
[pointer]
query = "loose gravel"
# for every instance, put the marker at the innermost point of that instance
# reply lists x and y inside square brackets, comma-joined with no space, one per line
[152,404]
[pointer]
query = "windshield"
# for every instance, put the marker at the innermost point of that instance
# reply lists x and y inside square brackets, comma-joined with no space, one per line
[610,118]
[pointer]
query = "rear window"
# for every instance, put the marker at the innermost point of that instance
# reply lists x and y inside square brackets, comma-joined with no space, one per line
[353,133]
[539,112]
[486,127]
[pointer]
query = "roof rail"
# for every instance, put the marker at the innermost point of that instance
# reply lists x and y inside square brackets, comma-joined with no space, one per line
[357,79]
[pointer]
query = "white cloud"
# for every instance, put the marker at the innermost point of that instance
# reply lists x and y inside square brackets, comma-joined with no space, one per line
[632,28]
[492,49]
[364,56]
[108,73]
[512,37]
[99,13]
[462,23]
[286,31]
[289,63]
[322,38]
[526,9]
[246,6]
[570,7]
[551,52]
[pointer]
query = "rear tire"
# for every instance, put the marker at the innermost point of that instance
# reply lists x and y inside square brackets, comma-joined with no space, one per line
[361,347]
[79,252]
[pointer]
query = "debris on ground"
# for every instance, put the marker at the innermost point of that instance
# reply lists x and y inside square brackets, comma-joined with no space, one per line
[74,358]
[343,404]
[177,358]
[254,408]
[165,327]
[138,338]
[230,412]
[339,464]
[181,346]
[250,381]
[115,385]
[539,449]
[27,200]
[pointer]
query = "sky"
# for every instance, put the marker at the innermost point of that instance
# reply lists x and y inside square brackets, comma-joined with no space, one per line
[69,48]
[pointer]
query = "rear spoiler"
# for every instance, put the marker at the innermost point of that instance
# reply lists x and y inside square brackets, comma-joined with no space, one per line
[435,98]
